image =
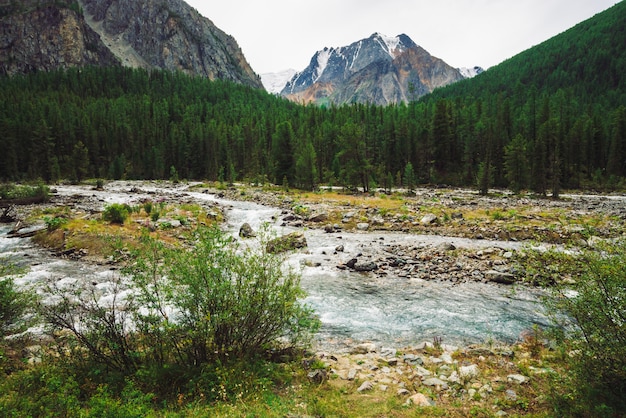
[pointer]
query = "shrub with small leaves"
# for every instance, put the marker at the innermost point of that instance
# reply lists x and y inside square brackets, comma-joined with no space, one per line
[116,213]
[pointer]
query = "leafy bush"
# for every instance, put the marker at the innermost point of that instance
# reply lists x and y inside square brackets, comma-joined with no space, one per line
[54,222]
[190,317]
[228,301]
[116,213]
[595,307]
[147,206]
[39,192]
[13,302]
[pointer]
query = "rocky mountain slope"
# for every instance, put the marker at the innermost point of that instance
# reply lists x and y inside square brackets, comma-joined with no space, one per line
[379,69]
[162,34]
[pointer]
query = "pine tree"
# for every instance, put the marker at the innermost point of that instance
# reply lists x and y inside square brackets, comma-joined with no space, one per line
[516,164]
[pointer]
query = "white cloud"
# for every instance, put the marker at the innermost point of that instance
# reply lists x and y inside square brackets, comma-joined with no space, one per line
[279,34]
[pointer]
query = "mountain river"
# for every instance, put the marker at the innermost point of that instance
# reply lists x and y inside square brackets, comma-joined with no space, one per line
[353,307]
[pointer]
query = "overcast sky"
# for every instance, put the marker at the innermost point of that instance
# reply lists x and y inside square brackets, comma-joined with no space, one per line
[276,35]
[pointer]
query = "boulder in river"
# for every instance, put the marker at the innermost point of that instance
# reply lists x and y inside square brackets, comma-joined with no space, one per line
[289,242]
[318,217]
[246,231]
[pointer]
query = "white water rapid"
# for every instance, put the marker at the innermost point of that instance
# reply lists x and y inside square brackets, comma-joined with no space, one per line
[353,307]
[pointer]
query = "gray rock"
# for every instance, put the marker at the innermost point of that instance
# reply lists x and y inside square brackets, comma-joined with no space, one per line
[246,231]
[500,277]
[422,372]
[364,348]
[317,376]
[365,267]
[517,378]
[511,395]
[469,372]
[436,383]
[429,219]
[413,359]
[352,374]
[365,386]
[446,246]
[419,399]
[363,226]
[289,242]
[318,217]
[388,352]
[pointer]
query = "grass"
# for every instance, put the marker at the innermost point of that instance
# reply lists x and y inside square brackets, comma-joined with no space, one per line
[103,239]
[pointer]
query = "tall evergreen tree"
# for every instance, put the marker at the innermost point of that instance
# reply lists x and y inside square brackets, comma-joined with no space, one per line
[282,153]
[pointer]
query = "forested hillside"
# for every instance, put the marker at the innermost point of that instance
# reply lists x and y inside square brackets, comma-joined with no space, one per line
[550,118]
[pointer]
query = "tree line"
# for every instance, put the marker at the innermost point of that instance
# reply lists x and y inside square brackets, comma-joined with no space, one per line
[126,123]
[549,118]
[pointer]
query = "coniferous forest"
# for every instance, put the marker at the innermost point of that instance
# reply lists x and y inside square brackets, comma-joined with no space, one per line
[551,118]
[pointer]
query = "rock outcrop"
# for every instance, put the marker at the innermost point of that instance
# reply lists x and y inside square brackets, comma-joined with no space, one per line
[151,34]
[47,38]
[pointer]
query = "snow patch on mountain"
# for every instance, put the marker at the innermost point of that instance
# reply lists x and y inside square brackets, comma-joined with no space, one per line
[388,43]
[470,72]
[322,62]
[275,82]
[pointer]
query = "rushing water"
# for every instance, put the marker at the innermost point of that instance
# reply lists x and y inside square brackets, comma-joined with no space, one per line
[352,306]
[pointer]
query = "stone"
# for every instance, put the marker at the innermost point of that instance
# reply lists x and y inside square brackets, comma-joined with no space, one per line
[499,277]
[289,242]
[454,378]
[317,376]
[447,358]
[352,374]
[422,372]
[340,248]
[365,386]
[469,372]
[436,383]
[392,361]
[419,399]
[246,231]
[517,378]
[363,226]
[388,352]
[413,359]
[446,246]
[364,348]
[318,217]
[429,219]
[402,392]
[365,267]
[511,395]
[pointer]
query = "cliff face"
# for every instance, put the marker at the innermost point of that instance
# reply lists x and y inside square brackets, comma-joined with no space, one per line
[47,38]
[161,34]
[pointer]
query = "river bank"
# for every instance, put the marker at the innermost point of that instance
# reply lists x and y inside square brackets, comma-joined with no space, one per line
[421,328]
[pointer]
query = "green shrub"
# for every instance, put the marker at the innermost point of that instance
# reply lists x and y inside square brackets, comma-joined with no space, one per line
[230,301]
[147,206]
[13,303]
[116,213]
[39,192]
[596,319]
[54,222]
[192,317]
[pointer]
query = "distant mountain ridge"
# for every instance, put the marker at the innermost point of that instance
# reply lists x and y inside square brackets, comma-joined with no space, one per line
[379,70]
[153,34]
